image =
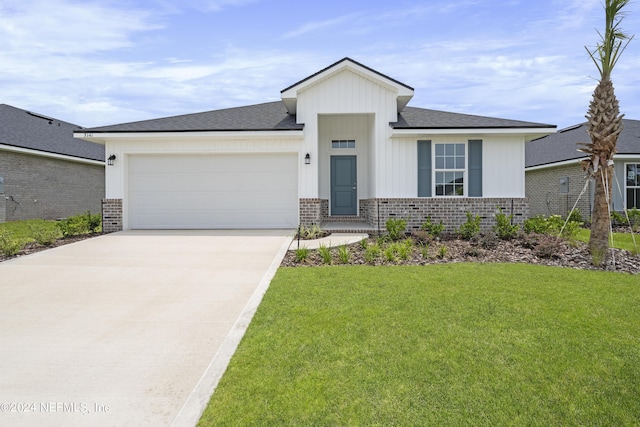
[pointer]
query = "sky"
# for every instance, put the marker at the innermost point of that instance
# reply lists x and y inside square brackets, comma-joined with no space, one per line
[102,62]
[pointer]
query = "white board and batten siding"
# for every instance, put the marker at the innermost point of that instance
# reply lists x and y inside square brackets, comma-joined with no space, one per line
[502,165]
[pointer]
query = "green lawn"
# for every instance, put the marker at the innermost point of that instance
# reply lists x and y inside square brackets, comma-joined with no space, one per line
[445,345]
[620,240]
[22,229]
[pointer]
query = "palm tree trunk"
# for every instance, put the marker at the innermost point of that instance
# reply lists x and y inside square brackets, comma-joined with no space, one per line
[600,217]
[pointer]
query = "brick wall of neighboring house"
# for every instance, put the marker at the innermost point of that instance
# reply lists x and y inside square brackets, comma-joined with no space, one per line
[48,188]
[3,208]
[545,196]
[111,215]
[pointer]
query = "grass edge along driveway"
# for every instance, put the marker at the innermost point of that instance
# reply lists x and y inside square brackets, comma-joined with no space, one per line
[463,344]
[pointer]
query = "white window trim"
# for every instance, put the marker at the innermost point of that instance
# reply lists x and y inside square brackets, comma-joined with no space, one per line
[637,163]
[465,187]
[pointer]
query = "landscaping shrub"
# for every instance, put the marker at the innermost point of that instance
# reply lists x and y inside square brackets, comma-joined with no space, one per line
[470,228]
[80,224]
[310,233]
[343,254]
[396,228]
[325,254]
[433,229]
[9,245]
[372,253]
[302,254]
[45,233]
[503,228]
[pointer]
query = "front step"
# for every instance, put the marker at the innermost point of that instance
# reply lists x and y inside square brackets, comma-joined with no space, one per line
[347,224]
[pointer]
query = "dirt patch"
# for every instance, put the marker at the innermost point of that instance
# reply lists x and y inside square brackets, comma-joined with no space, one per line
[528,249]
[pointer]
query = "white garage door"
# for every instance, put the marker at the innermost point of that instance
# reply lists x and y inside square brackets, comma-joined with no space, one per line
[213,191]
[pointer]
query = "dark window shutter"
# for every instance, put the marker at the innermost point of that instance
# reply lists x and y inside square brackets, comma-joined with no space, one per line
[424,168]
[475,168]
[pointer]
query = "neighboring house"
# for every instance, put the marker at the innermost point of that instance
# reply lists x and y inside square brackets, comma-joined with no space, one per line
[44,171]
[342,144]
[555,178]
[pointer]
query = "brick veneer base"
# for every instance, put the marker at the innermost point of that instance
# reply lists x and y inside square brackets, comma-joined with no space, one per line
[111,215]
[452,211]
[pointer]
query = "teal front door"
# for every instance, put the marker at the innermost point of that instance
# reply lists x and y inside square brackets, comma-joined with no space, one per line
[344,186]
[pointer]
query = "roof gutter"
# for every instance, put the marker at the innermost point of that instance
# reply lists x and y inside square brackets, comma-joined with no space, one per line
[32,152]
[473,130]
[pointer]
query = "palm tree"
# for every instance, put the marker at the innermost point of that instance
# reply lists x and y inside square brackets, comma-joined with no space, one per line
[604,126]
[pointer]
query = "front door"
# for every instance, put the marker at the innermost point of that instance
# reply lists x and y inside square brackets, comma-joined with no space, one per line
[344,188]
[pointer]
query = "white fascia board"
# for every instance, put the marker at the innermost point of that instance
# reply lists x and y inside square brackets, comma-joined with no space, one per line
[50,155]
[102,137]
[473,131]
[555,165]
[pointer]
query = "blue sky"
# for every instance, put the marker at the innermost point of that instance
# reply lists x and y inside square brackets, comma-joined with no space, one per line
[100,62]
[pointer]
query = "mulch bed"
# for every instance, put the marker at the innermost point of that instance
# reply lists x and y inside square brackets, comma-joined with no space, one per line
[529,249]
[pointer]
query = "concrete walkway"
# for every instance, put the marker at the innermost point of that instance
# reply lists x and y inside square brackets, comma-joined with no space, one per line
[132,328]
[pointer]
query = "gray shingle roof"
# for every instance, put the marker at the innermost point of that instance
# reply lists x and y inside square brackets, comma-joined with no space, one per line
[260,117]
[561,146]
[24,129]
[421,118]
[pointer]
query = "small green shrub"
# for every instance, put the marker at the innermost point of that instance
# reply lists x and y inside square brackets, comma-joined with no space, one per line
[433,229]
[575,216]
[343,254]
[372,253]
[390,253]
[9,245]
[45,233]
[634,218]
[302,254]
[424,251]
[396,228]
[364,243]
[94,222]
[503,228]
[470,228]
[618,218]
[537,224]
[310,233]
[442,252]
[325,254]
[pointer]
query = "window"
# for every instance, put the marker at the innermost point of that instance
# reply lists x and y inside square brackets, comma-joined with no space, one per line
[450,169]
[343,143]
[633,185]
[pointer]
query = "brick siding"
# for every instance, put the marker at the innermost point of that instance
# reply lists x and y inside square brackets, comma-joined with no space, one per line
[452,211]
[47,188]
[545,198]
[111,215]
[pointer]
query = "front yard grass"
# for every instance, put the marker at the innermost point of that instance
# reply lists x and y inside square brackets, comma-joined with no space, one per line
[443,345]
[620,240]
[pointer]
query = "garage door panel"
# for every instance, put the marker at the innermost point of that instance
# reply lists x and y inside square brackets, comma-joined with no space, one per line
[213,191]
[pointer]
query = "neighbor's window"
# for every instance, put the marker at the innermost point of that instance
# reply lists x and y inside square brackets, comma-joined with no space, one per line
[633,185]
[450,169]
[343,143]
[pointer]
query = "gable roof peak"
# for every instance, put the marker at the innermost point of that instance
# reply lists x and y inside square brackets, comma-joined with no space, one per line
[290,94]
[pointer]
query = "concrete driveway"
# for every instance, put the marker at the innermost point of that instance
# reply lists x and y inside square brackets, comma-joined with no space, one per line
[131,328]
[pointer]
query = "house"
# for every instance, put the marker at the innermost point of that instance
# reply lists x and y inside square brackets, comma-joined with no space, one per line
[555,179]
[341,144]
[44,171]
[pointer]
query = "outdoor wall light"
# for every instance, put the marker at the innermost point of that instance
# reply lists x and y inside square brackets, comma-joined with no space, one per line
[307,159]
[111,159]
